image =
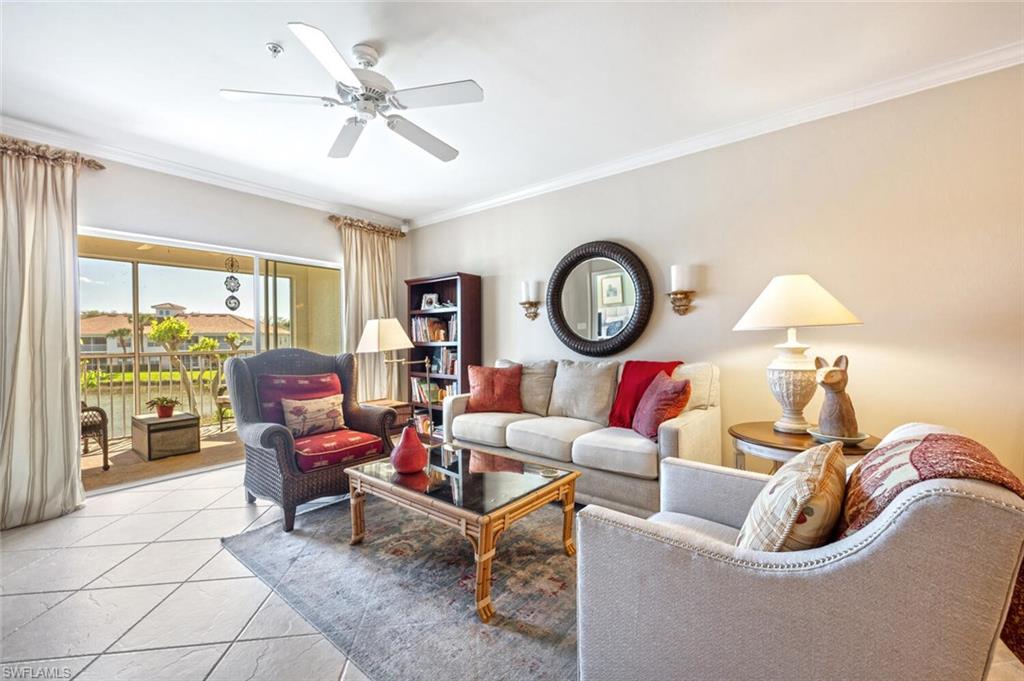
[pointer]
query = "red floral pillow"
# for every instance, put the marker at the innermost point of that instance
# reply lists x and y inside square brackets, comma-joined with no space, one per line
[664,399]
[272,388]
[495,389]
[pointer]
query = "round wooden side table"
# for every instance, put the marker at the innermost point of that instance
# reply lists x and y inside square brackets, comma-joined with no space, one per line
[758,438]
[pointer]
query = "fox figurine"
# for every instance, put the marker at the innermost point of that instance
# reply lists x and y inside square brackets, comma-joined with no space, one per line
[837,417]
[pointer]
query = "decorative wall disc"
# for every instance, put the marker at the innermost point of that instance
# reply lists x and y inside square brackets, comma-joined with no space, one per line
[232,284]
[231,264]
[232,303]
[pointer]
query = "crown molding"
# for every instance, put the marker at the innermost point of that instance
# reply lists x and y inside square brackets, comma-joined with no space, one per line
[84,145]
[943,74]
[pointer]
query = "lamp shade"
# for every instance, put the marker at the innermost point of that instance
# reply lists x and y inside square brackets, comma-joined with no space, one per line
[792,300]
[381,335]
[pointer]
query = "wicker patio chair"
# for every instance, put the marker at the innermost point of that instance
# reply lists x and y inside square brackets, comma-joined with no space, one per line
[94,426]
[271,468]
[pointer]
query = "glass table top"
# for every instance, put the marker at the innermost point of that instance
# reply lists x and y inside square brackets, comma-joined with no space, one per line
[472,480]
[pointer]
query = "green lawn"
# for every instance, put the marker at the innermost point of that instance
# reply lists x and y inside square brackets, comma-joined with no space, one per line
[151,377]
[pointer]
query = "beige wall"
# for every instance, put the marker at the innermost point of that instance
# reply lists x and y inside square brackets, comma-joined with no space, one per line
[911,212]
[130,199]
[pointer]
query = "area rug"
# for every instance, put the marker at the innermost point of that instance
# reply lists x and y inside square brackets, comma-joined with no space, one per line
[401,604]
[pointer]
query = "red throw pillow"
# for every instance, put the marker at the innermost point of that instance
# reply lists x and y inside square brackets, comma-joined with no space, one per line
[272,388]
[664,399]
[495,389]
[636,377]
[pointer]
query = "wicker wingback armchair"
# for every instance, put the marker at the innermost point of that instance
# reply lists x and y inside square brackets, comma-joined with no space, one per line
[271,470]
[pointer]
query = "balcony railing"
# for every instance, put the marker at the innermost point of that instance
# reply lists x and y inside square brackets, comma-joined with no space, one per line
[113,382]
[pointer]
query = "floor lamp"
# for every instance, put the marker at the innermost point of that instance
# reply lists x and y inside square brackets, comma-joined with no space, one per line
[387,335]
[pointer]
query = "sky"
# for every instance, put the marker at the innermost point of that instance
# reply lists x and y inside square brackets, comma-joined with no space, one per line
[106,285]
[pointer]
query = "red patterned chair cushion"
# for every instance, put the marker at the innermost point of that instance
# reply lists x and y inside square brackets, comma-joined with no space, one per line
[272,388]
[334,447]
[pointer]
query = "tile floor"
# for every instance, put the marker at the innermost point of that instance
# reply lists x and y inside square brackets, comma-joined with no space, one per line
[137,586]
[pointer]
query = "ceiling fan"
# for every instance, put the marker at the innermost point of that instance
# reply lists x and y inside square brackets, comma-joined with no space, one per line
[369,94]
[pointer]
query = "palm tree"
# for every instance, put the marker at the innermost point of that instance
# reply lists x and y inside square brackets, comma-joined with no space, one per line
[123,336]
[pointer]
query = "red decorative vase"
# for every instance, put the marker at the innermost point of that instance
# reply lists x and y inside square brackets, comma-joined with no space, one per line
[418,481]
[164,411]
[409,456]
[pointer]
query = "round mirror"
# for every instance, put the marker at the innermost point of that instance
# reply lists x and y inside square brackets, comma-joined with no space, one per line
[599,298]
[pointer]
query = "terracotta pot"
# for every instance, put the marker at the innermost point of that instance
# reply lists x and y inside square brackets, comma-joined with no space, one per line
[409,455]
[165,411]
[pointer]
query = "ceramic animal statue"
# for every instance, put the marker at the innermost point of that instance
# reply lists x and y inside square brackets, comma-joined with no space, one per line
[837,417]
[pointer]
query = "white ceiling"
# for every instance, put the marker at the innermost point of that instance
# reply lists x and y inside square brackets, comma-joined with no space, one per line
[572,89]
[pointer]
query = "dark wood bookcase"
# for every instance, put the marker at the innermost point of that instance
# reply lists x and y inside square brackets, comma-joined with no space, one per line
[458,316]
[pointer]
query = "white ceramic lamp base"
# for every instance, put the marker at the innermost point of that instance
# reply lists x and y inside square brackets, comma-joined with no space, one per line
[791,378]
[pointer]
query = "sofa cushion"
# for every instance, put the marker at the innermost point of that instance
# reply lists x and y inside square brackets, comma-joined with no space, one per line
[271,388]
[550,437]
[664,399]
[495,389]
[584,390]
[485,427]
[636,378]
[799,507]
[703,377]
[617,450]
[535,385]
[708,528]
[320,415]
[339,446]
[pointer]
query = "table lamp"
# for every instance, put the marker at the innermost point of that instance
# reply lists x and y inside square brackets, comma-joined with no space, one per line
[788,302]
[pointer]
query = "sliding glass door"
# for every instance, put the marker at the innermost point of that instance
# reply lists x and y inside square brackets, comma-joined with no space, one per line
[162,321]
[301,306]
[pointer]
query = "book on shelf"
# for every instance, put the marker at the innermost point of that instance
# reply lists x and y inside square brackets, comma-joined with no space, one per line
[434,329]
[422,393]
[424,422]
[444,362]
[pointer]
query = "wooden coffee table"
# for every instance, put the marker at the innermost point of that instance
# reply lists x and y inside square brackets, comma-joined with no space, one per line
[478,494]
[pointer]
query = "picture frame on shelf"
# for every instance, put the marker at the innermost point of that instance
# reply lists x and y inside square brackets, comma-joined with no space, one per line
[429,302]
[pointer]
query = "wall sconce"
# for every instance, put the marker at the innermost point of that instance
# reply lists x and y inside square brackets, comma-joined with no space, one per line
[529,299]
[681,293]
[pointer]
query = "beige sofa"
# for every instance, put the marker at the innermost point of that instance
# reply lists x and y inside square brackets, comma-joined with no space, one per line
[620,468]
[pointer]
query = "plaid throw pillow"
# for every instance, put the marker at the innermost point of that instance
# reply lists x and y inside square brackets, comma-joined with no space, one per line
[305,417]
[799,507]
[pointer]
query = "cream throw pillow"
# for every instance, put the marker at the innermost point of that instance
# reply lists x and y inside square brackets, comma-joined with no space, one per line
[535,384]
[306,417]
[799,507]
[584,390]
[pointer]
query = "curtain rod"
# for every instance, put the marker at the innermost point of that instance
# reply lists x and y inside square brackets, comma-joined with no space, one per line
[340,221]
[45,152]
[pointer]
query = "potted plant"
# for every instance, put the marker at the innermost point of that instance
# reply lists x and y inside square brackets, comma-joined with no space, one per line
[164,406]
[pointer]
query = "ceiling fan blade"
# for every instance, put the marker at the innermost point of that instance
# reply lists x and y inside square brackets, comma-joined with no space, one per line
[421,138]
[347,138]
[254,96]
[442,94]
[317,42]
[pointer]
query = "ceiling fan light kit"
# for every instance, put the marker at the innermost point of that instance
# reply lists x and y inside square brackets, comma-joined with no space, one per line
[368,94]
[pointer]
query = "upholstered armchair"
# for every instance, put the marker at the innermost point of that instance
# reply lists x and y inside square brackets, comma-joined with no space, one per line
[919,593]
[272,470]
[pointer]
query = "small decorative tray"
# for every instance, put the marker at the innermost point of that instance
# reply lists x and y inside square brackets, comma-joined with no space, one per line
[821,437]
